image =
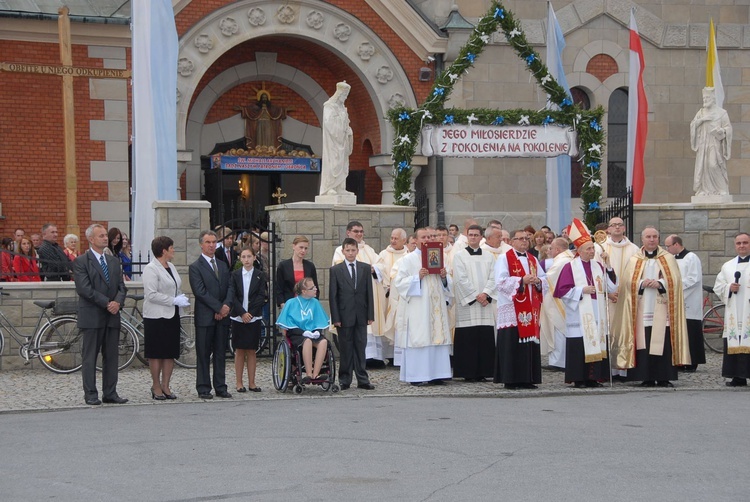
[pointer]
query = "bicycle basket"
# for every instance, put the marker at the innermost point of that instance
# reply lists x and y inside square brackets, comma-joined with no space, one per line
[65,306]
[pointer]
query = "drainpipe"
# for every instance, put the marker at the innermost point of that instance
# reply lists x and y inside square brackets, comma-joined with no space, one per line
[439,189]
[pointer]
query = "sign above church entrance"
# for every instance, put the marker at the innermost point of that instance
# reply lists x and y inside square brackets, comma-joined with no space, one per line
[267,164]
[459,140]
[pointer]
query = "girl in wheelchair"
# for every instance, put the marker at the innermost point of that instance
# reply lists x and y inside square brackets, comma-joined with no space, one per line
[303,320]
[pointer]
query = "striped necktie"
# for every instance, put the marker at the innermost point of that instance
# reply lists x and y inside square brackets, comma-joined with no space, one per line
[216,270]
[105,268]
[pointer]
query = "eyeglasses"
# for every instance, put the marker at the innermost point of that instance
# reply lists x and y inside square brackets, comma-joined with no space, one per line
[311,289]
[616,224]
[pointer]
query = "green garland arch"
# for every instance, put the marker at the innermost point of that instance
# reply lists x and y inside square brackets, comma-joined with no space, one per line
[408,122]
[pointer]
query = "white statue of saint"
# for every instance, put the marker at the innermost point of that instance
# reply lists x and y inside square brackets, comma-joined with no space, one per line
[711,138]
[338,142]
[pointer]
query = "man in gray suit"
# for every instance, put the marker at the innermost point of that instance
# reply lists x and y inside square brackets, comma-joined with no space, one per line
[352,309]
[209,280]
[101,293]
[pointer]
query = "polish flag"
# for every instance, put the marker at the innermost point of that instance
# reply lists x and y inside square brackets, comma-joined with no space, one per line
[637,115]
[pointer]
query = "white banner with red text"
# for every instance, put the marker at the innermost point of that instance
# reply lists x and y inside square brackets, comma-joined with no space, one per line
[459,140]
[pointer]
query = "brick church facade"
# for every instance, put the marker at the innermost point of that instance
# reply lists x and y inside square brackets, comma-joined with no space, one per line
[299,50]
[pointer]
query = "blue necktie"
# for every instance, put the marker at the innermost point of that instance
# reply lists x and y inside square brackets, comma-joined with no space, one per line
[105,268]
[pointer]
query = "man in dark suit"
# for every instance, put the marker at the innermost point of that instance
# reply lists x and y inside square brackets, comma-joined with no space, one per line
[352,309]
[101,293]
[209,280]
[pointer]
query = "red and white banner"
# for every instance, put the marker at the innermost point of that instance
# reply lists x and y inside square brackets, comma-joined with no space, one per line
[459,140]
[637,115]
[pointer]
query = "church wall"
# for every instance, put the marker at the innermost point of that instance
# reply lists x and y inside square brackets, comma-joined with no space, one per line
[675,61]
[32,169]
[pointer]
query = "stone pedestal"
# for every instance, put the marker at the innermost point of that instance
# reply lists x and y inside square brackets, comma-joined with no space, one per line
[348,199]
[711,199]
[325,226]
[706,229]
[182,221]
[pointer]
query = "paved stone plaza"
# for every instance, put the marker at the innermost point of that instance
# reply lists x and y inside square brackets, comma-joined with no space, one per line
[39,389]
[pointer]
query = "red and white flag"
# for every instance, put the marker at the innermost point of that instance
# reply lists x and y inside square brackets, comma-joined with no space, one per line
[637,115]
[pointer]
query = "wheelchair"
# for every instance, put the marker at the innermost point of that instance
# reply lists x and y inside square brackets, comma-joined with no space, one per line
[287,368]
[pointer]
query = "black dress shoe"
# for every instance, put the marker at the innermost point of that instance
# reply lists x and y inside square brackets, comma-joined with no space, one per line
[648,383]
[242,389]
[223,393]
[366,386]
[115,400]
[205,395]
[512,386]
[619,378]
[737,382]
[664,383]
[437,382]
[593,383]
[344,386]
[94,401]
[579,385]
[254,389]
[420,384]
[528,386]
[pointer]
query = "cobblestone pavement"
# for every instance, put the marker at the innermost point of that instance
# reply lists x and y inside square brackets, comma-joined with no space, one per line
[39,389]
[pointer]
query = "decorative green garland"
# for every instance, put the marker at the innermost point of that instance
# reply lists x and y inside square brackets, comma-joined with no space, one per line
[408,122]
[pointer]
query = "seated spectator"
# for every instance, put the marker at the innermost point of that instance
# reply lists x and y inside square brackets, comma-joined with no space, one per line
[25,263]
[6,260]
[70,243]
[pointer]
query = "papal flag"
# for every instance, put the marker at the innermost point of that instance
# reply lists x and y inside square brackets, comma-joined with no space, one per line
[155,50]
[713,70]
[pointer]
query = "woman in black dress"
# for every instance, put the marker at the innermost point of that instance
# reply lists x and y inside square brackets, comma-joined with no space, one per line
[161,316]
[290,272]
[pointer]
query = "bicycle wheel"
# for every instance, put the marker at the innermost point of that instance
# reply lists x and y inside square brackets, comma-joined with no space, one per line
[141,343]
[187,342]
[281,366]
[713,329]
[127,347]
[58,345]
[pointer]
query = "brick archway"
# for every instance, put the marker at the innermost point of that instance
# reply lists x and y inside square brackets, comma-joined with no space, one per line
[338,31]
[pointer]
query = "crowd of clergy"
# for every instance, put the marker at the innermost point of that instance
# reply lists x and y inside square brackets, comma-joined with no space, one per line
[601,308]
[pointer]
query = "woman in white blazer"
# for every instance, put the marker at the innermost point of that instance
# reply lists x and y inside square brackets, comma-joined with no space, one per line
[161,316]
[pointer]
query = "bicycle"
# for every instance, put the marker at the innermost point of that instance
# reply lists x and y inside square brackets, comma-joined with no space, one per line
[134,317]
[713,322]
[56,341]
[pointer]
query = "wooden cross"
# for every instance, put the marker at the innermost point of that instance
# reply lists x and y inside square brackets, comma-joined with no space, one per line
[278,195]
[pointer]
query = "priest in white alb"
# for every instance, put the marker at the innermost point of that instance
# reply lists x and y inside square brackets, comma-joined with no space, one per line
[422,329]
[474,291]
[553,311]
[387,259]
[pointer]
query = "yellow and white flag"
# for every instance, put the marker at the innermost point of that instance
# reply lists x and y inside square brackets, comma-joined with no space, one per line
[713,70]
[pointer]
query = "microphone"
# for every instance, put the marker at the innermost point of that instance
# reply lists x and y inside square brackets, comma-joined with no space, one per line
[737,276]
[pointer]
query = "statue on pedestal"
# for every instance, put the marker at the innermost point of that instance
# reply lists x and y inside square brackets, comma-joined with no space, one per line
[338,142]
[711,138]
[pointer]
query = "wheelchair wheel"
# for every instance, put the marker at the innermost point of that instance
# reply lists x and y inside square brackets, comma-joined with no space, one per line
[298,389]
[281,366]
[330,363]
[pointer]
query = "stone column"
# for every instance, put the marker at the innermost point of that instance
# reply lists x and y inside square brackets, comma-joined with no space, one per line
[383,165]
[182,220]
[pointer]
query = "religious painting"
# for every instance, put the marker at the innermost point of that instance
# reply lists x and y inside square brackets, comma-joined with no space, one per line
[432,257]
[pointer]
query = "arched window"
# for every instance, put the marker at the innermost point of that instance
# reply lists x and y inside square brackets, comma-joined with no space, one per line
[576,179]
[617,143]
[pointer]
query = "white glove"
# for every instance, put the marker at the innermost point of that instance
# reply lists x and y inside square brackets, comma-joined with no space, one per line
[315,335]
[307,334]
[181,301]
